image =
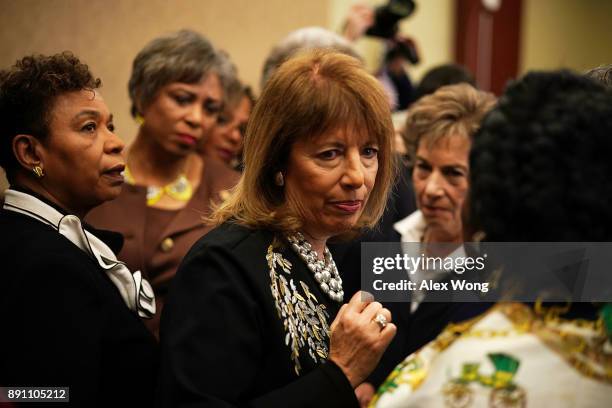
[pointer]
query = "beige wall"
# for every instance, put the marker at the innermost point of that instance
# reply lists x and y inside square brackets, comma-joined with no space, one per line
[555,33]
[574,34]
[107,34]
[433,27]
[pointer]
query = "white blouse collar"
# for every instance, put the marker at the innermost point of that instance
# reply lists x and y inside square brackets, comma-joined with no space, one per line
[133,288]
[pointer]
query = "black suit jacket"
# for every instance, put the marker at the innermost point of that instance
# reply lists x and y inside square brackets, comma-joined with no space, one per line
[224,341]
[64,322]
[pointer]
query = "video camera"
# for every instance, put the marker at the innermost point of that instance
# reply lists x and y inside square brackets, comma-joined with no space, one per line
[386,20]
[387,17]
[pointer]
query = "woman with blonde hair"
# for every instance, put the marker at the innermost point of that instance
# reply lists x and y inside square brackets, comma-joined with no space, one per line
[256,316]
[438,132]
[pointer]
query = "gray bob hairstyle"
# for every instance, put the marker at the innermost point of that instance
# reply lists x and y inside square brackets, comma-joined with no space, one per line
[183,56]
[306,38]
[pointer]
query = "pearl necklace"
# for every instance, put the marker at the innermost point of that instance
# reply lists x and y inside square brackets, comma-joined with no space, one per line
[325,272]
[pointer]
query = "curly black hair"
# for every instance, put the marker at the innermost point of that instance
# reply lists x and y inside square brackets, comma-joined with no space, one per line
[27,94]
[540,163]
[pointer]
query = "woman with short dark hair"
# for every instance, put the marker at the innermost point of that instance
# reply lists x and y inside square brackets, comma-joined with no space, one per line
[70,310]
[177,91]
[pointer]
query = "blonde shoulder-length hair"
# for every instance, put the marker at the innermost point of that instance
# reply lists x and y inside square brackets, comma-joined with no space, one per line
[451,111]
[315,92]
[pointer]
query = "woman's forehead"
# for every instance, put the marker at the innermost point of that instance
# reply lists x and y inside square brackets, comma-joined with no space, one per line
[347,133]
[70,103]
[452,141]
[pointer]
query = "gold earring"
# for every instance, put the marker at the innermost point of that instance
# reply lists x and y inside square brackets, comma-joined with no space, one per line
[279,179]
[38,172]
[139,119]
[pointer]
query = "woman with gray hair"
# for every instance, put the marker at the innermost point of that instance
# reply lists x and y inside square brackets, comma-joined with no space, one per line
[306,38]
[177,89]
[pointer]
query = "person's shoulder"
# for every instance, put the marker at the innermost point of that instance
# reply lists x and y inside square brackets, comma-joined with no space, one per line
[31,249]
[28,234]
[233,237]
[21,231]
[229,252]
[233,245]
[34,242]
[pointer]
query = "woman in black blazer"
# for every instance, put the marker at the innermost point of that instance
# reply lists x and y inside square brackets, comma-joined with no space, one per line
[70,311]
[257,315]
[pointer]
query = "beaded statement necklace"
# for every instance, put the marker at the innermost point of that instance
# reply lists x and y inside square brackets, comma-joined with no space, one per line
[324,271]
[180,189]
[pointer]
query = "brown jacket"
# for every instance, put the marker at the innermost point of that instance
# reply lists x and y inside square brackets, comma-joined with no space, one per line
[127,215]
